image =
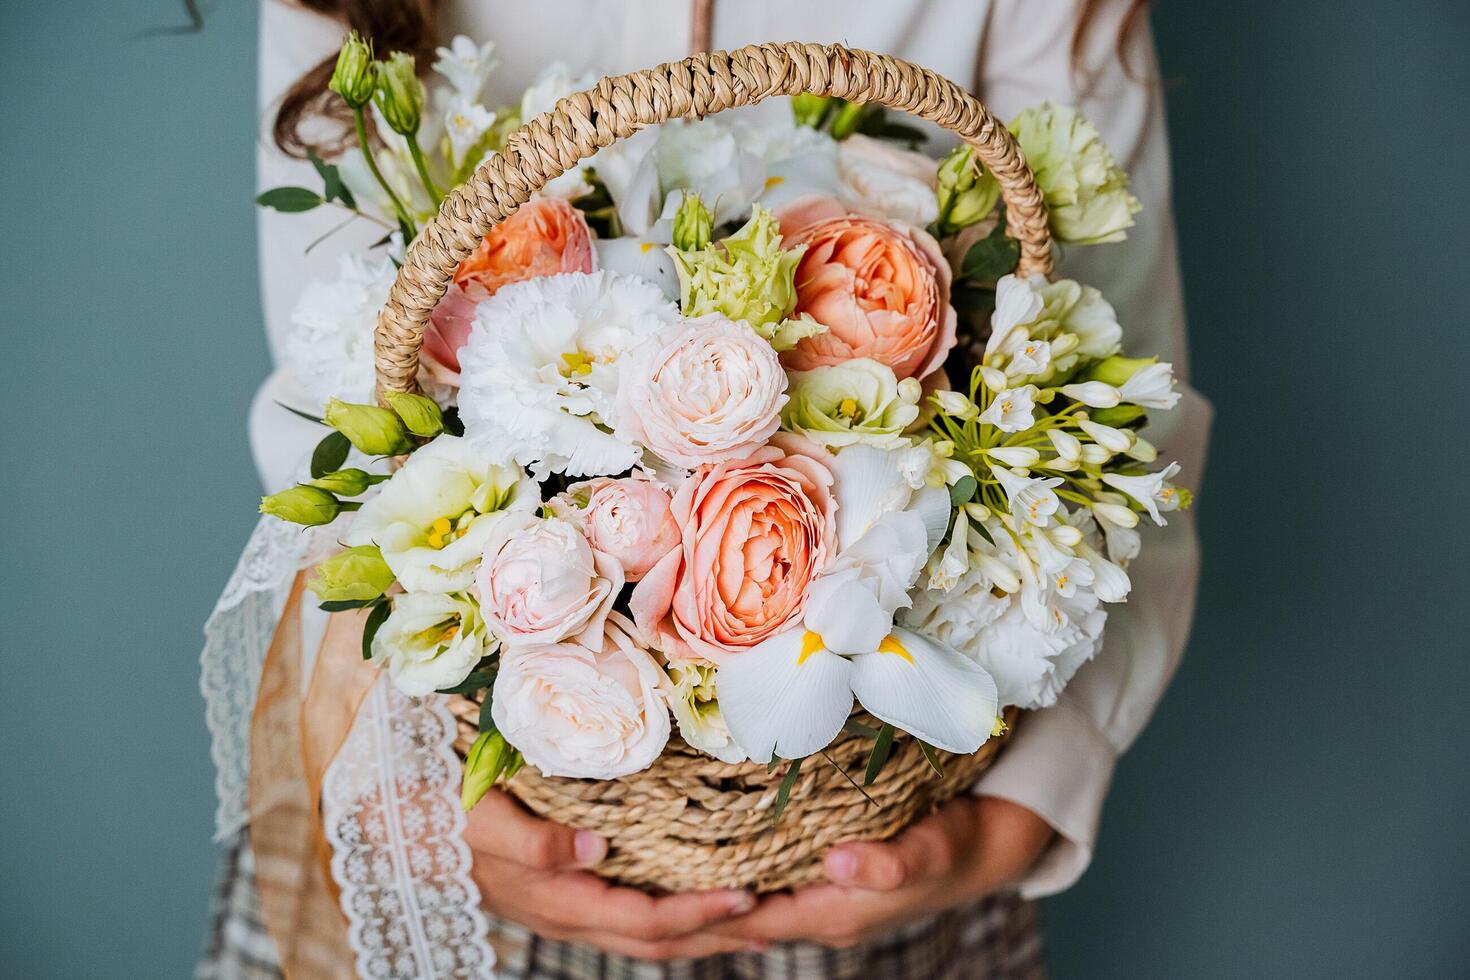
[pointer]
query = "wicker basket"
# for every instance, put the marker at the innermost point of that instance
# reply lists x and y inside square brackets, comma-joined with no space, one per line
[690,821]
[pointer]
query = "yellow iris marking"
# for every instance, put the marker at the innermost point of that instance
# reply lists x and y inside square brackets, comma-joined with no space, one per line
[810,643]
[891,645]
[576,363]
[773,181]
[646,247]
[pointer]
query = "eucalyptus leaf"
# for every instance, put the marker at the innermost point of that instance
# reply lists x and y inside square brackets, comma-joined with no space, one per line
[375,619]
[487,723]
[993,256]
[302,415]
[342,605]
[333,188]
[480,678]
[329,455]
[963,490]
[290,200]
[858,728]
[931,755]
[882,748]
[783,795]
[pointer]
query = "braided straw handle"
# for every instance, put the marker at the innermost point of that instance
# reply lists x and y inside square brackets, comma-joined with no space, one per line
[579,125]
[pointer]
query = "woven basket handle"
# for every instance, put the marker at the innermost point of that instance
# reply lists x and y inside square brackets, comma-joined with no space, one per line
[579,125]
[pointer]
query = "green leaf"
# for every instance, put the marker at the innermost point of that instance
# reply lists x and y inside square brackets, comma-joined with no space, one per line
[882,748]
[346,506]
[1119,416]
[342,605]
[931,755]
[963,490]
[783,795]
[329,455]
[480,678]
[302,415]
[771,766]
[334,189]
[993,256]
[452,424]
[290,199]
[487,723]
[858,728]
[370,628]
[852,782]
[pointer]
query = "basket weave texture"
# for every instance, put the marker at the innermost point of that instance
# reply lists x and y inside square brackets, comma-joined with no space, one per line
[691,821]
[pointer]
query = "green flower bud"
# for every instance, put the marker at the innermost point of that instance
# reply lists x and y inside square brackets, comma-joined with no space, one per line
[966,192]
[420,415]
[356,75]
[1115,370]
[809,109]
[356,575]
[693,225]
[373,430]
[849,117]
[347,483]
[400,94]
[1118,416]
[308,506]
[487,759]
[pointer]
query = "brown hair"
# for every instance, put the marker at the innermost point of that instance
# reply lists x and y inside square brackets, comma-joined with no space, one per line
[412,26]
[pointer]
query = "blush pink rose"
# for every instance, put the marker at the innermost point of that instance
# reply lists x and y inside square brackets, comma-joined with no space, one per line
[541,582]
[756,531]
[545,237]
[629,519]
[881,288]
[702,391]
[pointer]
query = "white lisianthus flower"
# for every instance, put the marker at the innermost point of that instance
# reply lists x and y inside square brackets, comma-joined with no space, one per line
[1031,500]
[466,65]
[432,519]
[592,710]
[539,375]
[431,641]
[857,401]
[1151,490]
[882,179]
[465,122]
[1011,410]
[329,348]
[1151,386]
[1082,311]
[692,699]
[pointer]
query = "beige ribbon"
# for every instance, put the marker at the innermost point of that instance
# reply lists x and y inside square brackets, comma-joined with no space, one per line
[292,742]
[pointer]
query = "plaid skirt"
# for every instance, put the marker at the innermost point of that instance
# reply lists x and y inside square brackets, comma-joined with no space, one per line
[997,938]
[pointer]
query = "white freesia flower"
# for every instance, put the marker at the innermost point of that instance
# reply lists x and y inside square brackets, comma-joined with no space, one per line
[1031,357]
[466,65]
[465,122]
[1109,580]
[1018,301]
[539,375]
[1066,444]
[1111,439]
[432,519]
[702,725]
[1011,410]
[1118,523]
[1150,490]
[1152,386]
[1094,394]
[1031,500]
[431,641]
[1022,456]
[951,564]
[330,345]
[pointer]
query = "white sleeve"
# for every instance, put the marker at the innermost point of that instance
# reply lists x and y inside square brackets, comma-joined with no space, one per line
[292,41]
[1062,758]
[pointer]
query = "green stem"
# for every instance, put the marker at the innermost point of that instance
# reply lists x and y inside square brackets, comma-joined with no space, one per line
[423,168]
[367,154]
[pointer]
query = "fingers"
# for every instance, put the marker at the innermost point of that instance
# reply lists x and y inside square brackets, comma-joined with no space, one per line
[633,914]
[822,913]
[501,828]
[929,849]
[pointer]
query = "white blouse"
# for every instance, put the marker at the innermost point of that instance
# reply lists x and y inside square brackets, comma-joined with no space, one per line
[1015,53]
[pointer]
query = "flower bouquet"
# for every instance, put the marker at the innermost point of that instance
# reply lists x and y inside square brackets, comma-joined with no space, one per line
[738,480]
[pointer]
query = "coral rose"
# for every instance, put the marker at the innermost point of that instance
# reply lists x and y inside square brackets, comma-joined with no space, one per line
[545,237]
[881,289]
[628,519]
[702,391]
[756,532]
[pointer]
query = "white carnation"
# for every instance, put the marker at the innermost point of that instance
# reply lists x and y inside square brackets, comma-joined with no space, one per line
[539,375]
[330,345]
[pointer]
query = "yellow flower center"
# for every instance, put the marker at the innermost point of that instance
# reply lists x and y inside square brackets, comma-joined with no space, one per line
[848,410]
[445,531]
[577,364]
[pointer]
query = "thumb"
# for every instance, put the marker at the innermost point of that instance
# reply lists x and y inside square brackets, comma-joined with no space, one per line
[501,828]
[930,848]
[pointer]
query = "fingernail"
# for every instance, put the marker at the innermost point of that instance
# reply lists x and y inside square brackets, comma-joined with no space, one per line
[588,848]
[741,903]
[841,865]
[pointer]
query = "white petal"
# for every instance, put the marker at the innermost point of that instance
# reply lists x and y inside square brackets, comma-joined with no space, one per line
[869,483]
[932,506]
[930,691]
[846,613]
[774,701]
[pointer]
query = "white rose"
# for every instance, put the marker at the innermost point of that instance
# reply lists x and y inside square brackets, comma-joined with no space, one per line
[541,582]
[431,641]
[581,712]
[897,184]
[432,519]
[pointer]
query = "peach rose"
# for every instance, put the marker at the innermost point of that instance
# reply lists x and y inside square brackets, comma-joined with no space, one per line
[756,532]
[545,237]
[881,288]
[628,519]
[541,582]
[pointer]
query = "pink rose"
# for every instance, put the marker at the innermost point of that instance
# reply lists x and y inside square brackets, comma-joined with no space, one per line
[881,288]
[628,519]
[541,582]
[593,709]
[701,391]
[756,532]
[545,237]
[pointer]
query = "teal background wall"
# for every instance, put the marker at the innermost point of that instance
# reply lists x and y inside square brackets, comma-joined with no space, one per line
[1297,809]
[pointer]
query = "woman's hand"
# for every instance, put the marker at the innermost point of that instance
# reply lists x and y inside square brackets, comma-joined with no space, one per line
[533,872]
[969,848]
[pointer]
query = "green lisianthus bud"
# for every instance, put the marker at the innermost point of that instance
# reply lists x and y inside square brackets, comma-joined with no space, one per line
[356,575]
[849,117]
[487,759]
[420,415]
[356,74]
[373,430]
[966,192]
[1087,198]
[693,225]
[307,506]
[347,483]
[1115,370]
[400,94]
[809,109]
